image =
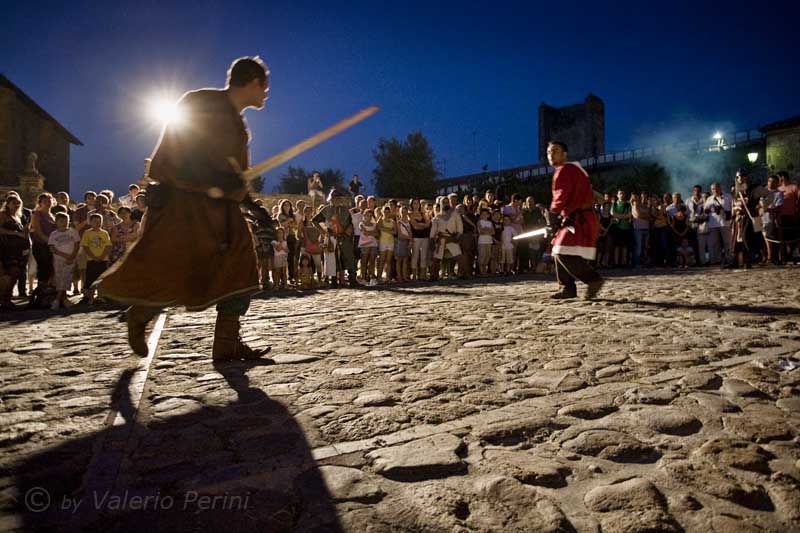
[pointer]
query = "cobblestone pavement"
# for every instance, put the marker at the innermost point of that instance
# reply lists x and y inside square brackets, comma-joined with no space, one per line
[670,404]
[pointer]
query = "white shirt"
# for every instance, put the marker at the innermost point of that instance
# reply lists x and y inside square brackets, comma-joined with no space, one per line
[771,200]
[128,201]
[487,238]
[64,241]
[508,237]
[356,219]
[717,220]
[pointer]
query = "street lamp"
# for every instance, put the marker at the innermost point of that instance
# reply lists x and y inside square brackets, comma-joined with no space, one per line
[752,157]
[717,136]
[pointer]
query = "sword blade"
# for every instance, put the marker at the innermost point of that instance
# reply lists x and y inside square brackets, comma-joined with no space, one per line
[532,233]
[299,148]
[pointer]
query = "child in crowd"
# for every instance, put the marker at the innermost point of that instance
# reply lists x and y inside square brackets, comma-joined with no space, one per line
[485,239]
[96,244]
[310,237]
[507,245]
[64,243]
[305,275]
[683,253]
[496,264]
[329,257]
[368,244]
[280,259]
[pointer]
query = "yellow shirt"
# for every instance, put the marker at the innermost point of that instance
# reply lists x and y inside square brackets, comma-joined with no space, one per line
[96,241]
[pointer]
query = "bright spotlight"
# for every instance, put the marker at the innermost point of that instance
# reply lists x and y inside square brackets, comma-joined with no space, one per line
[163,111]
[752,157]
[717,136]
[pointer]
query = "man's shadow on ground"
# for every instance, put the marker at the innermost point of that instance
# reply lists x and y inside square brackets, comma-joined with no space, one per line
[244,466]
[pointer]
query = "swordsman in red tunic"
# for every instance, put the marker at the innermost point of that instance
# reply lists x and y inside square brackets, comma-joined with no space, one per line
[575,224]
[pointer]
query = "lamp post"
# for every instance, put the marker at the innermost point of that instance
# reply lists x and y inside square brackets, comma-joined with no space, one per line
[752,157]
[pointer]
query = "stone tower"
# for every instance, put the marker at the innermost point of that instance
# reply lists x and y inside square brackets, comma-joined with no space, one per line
[580,126]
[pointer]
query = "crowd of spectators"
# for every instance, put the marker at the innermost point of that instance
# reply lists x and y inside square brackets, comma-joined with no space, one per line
[64,247]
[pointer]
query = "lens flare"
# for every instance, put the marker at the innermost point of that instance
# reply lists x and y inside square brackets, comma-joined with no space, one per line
[163,111]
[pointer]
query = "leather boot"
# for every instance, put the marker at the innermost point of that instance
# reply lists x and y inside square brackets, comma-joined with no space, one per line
[138,317]
[228,345]
[566,293]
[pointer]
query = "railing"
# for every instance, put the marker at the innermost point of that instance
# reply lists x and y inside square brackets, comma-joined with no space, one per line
[726,142]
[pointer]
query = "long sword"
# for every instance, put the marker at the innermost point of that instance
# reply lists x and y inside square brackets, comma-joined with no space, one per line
[299,148]
[537,232]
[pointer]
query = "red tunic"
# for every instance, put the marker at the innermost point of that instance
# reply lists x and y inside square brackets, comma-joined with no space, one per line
[573,197]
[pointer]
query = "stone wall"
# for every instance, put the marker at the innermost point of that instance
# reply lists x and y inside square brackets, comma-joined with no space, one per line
[580,126]
[23,131]
[783,150]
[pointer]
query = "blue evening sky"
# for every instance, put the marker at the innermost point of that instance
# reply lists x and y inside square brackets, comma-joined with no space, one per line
[664,69]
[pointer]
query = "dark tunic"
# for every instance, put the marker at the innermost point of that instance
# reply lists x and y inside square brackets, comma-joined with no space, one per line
[194,251]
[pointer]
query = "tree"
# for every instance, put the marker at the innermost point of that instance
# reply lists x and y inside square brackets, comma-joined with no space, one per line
[405,168]
[257,185]
[295,180]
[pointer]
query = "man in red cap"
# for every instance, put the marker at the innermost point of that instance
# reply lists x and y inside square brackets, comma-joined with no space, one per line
[573,221]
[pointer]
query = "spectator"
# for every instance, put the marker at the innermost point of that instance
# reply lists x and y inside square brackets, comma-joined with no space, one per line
[507,245]
[532,218]
[62,199]
[368,244]
[42,225]
[311,241]
[679,231]
[102,207]
[621,229]
[660,239]
[695,211]
[96,243]
[468,239]
[356,215]
[138,211]
[485,239]
[329,247]
[64,243]
[718,208]
[675,202]
[446,230]
[788,219]
[420,231]
[387,227]
[280,261]
[287,221]
[14,249]
[123,234]
[771,204]
[355,186]
[403,245]
[496,262]
[315,189]
[642,218]
[129,200]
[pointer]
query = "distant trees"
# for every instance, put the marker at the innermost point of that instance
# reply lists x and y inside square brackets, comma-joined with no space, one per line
[295,180]
[405,168]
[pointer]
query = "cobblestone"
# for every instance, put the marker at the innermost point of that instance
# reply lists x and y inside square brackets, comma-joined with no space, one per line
[457,407]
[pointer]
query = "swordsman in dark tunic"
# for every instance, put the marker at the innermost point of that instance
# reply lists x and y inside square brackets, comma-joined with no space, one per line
[575,224]
[196,248]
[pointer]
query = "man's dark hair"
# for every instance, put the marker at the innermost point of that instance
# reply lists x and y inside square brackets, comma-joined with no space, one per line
[96,216]
[697,187]
[783,174]
[87,193]
[516,196]
[133,186]
[58,210]
[485,209]
[563,145]
[246,69]
[743,172]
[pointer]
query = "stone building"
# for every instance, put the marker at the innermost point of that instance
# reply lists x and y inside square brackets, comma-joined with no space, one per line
[26,128]
[783,145]
[580,126]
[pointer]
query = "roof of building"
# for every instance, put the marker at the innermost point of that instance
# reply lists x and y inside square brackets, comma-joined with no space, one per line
[5,82]
[791,122]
